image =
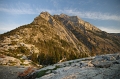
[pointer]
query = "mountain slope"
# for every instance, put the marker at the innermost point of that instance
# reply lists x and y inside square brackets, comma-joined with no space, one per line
[51,39]
[94,39]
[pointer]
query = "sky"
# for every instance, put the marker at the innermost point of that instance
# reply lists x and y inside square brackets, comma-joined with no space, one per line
[104,14]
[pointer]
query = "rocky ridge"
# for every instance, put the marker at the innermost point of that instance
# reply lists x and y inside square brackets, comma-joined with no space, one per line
[96,40]
[56,38]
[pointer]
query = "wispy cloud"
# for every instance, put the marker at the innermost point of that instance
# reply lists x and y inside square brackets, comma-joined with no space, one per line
[17,11]
[109,30]
[22,8]
[18,8]
[85,14]
[94,15]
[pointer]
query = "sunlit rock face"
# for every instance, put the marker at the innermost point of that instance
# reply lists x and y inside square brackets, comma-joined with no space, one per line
[52,38]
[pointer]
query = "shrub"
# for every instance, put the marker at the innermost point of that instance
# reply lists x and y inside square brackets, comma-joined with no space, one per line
[43,72]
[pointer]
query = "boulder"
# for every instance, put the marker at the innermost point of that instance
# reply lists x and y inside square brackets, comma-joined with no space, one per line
[98,58]
[53,71]
[117,56]
[101,64]
[103,61]
[109,58]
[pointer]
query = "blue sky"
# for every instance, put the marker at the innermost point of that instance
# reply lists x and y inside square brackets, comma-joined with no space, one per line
[104,14]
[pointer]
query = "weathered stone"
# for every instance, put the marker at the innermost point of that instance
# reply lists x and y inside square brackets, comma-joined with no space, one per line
[90,64]
[53,71]
[84,65]
[100,64]
[117,56]
[48,72]
[99,76]
[67,64]
[98,58]
[73,64]
[109,58]
[24,57]
[104,69]
[118,61]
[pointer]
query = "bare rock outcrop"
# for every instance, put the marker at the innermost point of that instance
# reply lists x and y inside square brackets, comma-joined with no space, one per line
[106,61]
[99,67]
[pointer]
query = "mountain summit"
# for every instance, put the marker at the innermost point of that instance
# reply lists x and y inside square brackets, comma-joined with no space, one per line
[54,38]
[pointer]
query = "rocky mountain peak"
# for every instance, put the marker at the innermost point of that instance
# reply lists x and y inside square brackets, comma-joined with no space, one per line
[75,18]
[77,22]
[45,15]
[71,18]
[58,37]
[64,16]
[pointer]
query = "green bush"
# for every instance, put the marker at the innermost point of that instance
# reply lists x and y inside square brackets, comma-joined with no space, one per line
[43,72]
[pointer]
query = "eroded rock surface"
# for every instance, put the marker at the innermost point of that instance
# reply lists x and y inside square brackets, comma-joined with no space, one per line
[99,67]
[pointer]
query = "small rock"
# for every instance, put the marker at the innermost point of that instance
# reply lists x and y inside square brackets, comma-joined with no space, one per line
[53,71]
[24,57]
[109,58]
[98,58]
[118,61]
[48,72]
[90,64]
[77,64]
[83,63]
[118,57]
[73,64]
[67,64]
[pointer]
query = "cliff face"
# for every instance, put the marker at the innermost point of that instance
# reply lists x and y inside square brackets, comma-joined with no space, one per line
[97,41]
[49,39]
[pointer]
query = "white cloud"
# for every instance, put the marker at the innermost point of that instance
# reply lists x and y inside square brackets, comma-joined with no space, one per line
[94,15]
[109,30]
[22,8]
[17,11]
[83,14]
[19,8]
